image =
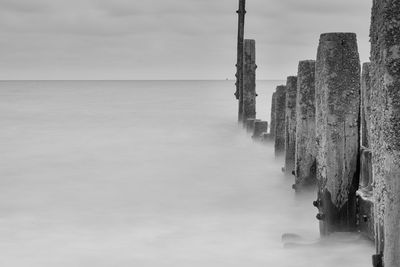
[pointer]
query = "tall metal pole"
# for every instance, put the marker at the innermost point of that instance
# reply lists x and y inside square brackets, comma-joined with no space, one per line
[239,64]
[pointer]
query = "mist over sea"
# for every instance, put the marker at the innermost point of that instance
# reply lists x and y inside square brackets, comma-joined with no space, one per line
[148,174]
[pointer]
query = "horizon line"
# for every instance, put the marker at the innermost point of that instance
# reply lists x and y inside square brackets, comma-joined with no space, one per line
[123,80]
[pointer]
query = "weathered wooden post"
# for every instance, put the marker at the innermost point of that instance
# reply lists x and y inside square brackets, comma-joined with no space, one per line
[249,80]
[239,63]
[272,121]
[260,127]
[249,124]
[365,112]
[385,120]
[305,161]
[366,105]
[337,130]
[280,110]
[370,207]
[365,202]
[290,124]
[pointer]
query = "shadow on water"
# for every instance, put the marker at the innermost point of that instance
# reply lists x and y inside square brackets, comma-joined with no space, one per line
[149,174]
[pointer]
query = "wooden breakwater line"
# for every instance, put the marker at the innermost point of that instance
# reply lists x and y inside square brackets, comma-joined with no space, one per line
[337,128]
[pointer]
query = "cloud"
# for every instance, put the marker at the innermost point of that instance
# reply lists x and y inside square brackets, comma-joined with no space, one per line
[22,6]
[165,38]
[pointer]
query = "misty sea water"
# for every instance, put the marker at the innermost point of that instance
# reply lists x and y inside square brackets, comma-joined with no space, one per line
[148,173]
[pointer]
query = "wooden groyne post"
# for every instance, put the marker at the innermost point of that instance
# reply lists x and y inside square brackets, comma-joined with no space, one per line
[239,63]
[249,124]
[365,202]
[260,128]
[280,110]
[290,124]
[366,105]
[337,130]
[249,80]
[385,120]
[305,160]
[272,121]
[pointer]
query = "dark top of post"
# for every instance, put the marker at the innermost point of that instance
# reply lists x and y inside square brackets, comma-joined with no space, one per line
[338,36]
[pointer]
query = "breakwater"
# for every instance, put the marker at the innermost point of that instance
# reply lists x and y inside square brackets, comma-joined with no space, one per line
[335,126]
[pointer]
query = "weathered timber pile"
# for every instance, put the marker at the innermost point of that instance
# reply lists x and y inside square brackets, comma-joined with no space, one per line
[290,124]
[249,80]
[280,114]
[305,157]
[385,120]
[239,63]
[337,86]
[365,201]
[249,124]
[260,128]
[272,121]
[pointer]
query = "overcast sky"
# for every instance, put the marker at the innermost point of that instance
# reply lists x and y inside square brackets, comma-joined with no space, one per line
[166,39]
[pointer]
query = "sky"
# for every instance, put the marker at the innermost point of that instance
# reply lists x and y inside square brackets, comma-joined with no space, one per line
[166,39]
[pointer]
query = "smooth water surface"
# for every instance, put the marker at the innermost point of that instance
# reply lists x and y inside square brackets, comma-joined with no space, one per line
[148,174]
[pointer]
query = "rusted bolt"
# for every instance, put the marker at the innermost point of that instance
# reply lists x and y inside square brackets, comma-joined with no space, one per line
[321,216]
[317,203]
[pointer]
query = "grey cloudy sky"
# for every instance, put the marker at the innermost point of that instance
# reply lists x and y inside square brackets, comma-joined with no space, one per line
[166,39]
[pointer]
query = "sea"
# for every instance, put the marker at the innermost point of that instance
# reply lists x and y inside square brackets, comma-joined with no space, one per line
[150,174]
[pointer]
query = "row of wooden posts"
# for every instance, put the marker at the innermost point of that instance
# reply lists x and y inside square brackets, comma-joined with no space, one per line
[338,128]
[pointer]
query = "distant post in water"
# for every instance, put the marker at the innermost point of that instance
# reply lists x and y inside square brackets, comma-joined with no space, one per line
[272,121]
[305,160]
[249,124]
[337,128]
[260,127]
[249,80]
[290,124]
[280,110]
[385,120]
[239,63]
